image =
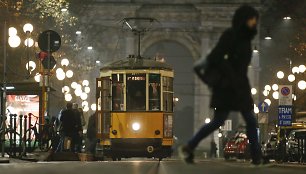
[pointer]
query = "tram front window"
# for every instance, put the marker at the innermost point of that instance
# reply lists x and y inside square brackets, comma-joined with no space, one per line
[136,92]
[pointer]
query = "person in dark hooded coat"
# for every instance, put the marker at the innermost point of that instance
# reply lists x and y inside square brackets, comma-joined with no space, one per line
[231,57]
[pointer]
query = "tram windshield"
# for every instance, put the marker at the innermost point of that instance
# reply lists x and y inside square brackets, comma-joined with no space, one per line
[136,92]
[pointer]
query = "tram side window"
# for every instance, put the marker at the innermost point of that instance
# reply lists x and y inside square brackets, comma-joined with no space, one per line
[168,94]
[136,92]
[154,92]
[117,92]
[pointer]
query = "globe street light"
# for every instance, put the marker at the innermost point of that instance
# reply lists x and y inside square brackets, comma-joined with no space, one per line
[207,120]
[84,103]
[268,101]
[280,74]
[12,31]
[74,85]
[275,95]
[254,91]
[69,73]
[29,42]
[87,89]
[14,41]
[37,77]
[265,93]
[85,83]
[268,88]
[291,78]
[28,28]
[302,85]
[302,68]
[84,96]
[30,66]
[65,62]
[275,87]
[295,70]
[68,97]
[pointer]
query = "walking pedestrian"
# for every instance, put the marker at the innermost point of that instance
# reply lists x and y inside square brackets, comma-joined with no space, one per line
[231,89]
[78,135]
[68,127]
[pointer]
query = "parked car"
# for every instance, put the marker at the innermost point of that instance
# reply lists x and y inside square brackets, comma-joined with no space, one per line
[237,147]
[269,148]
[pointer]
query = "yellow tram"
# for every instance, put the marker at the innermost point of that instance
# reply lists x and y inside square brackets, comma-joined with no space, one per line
[135,109]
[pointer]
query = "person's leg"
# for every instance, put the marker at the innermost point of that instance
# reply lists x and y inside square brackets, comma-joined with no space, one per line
[217,121]
[251,122]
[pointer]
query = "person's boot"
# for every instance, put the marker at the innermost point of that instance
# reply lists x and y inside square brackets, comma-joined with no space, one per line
[186,154]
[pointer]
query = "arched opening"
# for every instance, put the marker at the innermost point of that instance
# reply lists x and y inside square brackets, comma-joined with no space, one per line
[181,59]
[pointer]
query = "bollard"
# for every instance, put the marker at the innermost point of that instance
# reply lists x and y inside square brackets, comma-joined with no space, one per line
[15,134]
[20,134]
[11,134]
[30,127]
[25,124]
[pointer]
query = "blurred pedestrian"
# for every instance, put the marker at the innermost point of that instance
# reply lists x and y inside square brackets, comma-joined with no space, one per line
[78,136]
[91,134]
[67,129]
[225,72]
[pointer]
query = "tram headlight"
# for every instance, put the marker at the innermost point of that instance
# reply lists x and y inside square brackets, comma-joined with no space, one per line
[136,126]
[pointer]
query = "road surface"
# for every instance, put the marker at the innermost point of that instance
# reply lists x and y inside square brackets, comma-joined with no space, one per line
[146,167]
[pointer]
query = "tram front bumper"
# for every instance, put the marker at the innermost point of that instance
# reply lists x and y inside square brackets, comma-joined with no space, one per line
[132,147]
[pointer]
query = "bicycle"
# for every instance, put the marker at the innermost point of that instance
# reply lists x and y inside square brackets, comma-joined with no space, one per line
[7,132]
[42,139]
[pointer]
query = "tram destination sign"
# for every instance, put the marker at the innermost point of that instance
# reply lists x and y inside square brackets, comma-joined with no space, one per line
[285,115]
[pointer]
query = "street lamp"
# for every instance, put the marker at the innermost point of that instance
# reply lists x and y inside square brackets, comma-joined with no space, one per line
[280,74]
[295,70]
[268,101]
[275,95]
[85,83]
[14,41]
[65,62]
[265,93]
[12,31]
[93,107]
[302,85]
[37,77]
[84,96]
[207,120]
[275,87]
[87,89]
[268,88]
[291,78]
[30,66]
[302,68]
[28,28]
[68,97]
[69,73]
[254,91]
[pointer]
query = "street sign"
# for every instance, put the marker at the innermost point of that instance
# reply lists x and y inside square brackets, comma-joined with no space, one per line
[263,118]
[285,95]
[227,125]
[263,107]
[285,115]
[49,41]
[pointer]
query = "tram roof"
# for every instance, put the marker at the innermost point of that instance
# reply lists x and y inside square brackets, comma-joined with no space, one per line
[136,63]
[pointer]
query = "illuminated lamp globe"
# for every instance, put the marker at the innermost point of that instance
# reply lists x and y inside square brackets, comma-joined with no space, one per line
[69,74]
[302,85]
[14,41]
[74,85]
[65,89]
[79,86]
[32,66]
[84,103]
[59,70]
[28,28]
[268,88]
[275,87]
[68,97]
[302,68]
[12,31]
[65,62]
[295,70]
[280,74]
[275,95]
[84,96]
[220,135]
[86,109]
[254,91]
[268,101]
[85,83]
[265,93]
[256,110]
[37,77]
[87,89]
[78,92]
[207,120]
[60,76]
[291,78]
[30,41]
[93,107]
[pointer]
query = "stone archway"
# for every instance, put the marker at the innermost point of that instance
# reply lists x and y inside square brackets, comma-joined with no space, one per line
[181,58]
